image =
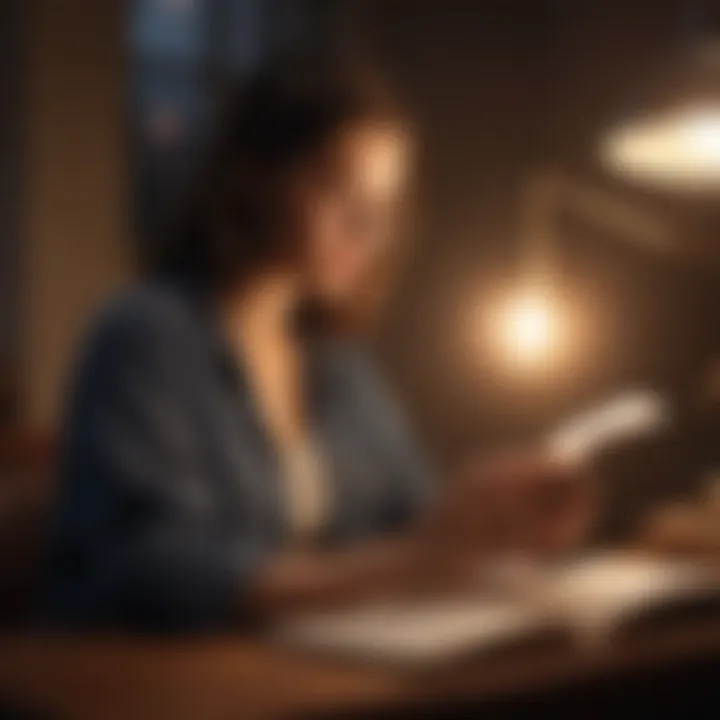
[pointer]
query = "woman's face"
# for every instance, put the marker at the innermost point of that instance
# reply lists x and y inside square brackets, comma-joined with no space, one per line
[344,208]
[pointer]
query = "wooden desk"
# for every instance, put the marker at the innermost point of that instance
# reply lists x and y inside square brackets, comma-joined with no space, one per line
[83,679]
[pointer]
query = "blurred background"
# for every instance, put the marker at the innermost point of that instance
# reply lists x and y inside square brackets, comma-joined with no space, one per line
[553,262]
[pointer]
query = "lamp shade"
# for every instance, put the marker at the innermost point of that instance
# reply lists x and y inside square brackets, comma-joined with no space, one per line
[672,141]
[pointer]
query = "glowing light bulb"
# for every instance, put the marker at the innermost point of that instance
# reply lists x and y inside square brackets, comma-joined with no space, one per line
[529,327]
[530,330]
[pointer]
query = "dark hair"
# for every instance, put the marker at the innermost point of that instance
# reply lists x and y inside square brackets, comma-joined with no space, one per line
[284,113]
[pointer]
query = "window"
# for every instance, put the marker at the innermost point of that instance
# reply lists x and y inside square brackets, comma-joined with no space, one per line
[181,52]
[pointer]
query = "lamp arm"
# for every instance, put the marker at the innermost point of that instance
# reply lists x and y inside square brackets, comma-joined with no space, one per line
[548,194]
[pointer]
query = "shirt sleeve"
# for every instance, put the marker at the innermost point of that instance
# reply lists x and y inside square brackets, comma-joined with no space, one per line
[159,556]
[411,482]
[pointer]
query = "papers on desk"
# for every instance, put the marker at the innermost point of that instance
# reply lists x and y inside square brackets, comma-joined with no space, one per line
[596,596]
[588,600]
[416,632]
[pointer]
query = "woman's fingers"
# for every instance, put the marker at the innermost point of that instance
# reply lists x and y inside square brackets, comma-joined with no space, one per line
[525,501]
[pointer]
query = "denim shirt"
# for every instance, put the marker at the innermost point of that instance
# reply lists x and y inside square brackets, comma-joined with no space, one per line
[169,490]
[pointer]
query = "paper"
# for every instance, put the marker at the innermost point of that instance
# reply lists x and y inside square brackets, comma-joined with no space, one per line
[598,593]
[587,599]
[412,633]
[628,416]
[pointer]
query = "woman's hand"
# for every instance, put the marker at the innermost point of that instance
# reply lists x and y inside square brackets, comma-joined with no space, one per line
[514,504]
[524,503]
[553,508]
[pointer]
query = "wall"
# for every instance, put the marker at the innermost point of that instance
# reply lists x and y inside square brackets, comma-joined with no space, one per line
[10,172]
[500,88]
[464,69]
[75,188]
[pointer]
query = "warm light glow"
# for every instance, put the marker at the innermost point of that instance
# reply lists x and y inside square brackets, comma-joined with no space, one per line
[678,150]
[536,330]
[529,327]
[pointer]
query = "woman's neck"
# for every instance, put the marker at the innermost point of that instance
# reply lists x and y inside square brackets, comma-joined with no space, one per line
[257,321]
[261,310]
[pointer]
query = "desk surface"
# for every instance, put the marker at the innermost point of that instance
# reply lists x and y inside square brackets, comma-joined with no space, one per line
[83,678]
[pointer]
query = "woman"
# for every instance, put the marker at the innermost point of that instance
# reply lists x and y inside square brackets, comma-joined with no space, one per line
[228,453]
